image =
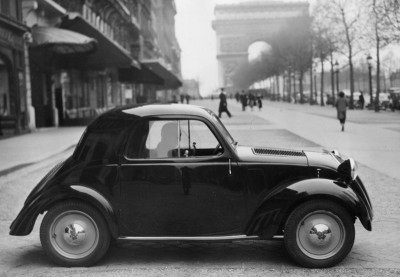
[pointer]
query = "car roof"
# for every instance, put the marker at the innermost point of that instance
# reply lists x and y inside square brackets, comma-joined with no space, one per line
[148,110]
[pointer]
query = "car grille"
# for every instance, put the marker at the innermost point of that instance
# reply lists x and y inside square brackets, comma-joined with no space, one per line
[277,152]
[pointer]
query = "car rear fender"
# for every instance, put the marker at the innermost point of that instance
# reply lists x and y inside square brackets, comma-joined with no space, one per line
[25,220]
[271,214]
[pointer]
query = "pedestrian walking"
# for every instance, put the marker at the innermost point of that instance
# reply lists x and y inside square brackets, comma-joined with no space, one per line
[223,104]
[237,96]
[361,100]
[252,100]
[341,107]
[259,102]
[243,100]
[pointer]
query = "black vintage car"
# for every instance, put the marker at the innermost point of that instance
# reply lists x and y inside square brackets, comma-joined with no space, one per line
[173,172]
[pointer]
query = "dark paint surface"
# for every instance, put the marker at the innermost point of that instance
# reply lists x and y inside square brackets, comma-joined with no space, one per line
[237,192]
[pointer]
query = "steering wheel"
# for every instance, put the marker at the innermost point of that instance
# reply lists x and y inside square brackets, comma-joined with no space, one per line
[216,150]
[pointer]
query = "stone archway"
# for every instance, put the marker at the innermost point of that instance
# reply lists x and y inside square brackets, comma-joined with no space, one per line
[237,26]
[257,49]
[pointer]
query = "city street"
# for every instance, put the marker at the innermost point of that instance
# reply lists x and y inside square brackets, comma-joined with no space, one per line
[373,139]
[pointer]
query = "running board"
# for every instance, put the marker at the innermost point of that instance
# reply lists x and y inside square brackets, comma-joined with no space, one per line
[199,238]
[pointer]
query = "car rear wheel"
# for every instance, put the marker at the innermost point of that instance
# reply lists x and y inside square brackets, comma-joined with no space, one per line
[74,234]
[319,234]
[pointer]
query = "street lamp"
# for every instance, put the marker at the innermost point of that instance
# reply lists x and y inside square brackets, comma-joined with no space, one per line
[294,87]
[315,84]
[369,61]
[336,65]
[289,77]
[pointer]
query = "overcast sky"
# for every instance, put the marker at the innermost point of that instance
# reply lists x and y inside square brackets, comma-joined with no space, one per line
[198,42]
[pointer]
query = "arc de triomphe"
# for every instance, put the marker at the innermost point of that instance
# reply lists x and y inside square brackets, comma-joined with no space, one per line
[237,26]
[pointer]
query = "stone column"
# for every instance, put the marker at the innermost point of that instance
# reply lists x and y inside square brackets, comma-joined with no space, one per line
[55,82]
[31,119]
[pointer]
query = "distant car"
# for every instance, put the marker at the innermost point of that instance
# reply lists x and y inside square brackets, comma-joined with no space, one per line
[173,172]
[394,100]
[384,101]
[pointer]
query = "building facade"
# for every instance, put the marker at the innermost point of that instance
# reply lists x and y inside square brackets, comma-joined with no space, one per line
[89,56]
[13,102]
[169,52]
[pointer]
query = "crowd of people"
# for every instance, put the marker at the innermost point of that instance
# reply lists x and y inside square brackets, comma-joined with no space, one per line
[246,99]
[249,99]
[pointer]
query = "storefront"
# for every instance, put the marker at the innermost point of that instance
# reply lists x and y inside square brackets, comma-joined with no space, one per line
[91,84]
[12,79]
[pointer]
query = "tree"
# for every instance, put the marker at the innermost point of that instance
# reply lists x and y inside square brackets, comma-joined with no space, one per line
[346,16]
[381,34]
[325,43]
[292,47]
[390,10]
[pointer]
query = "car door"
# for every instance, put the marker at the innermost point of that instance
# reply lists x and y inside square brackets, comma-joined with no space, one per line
[192,189]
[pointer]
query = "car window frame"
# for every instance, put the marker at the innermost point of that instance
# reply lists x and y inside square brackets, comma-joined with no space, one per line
[214,130]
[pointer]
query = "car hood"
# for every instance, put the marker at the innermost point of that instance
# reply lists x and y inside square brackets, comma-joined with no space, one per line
[277,155]
[323,158]
[271,155]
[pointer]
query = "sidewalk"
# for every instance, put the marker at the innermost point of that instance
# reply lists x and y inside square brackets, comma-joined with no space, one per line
[370,138]
[20,151]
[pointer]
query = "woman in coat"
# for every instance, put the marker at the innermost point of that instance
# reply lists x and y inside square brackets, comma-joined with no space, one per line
[341,107]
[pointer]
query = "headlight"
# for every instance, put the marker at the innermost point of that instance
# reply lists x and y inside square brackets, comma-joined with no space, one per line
[348,170]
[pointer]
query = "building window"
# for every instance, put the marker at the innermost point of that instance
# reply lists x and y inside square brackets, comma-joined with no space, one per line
[5,7]
[4,90]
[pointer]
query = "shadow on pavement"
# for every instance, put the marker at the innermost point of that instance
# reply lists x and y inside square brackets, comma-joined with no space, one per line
[128,253]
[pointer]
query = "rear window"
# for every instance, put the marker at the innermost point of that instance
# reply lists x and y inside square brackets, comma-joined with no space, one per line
[101,140]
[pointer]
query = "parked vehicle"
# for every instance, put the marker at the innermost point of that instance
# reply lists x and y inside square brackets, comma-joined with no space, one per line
[173,172]
[384,101]
[329,99]
[394,100]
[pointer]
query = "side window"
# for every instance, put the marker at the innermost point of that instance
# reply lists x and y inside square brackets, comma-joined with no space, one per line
[159,139]
[162,141]
[198,139]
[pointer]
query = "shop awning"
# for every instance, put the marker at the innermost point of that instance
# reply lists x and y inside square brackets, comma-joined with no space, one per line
[141,76]
[108,53]
[151,72]
[62,41]
[171,81]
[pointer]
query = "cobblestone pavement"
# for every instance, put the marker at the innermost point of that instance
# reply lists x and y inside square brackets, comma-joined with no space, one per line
[374,253]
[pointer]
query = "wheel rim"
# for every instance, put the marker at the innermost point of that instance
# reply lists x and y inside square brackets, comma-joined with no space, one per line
[320,235]
[74,234]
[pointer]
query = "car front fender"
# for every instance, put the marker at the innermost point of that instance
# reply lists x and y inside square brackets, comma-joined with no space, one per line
[271,214]
[25,220]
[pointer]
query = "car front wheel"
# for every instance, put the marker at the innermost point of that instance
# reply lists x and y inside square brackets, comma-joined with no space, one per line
[74,234]
[319,234]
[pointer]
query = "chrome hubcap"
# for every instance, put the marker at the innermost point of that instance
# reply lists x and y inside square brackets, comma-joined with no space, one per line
[320,235]
[74,234]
